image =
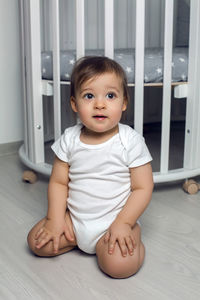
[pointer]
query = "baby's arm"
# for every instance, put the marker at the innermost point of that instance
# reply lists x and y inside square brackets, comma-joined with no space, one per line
[121,229]
[56,225]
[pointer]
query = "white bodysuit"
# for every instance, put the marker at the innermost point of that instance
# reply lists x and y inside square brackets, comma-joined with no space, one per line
[99,176]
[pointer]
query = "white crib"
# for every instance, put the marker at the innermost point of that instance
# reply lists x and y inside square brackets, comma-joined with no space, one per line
[32,153]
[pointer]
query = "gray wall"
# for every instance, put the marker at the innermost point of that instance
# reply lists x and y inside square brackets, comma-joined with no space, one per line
[11,107]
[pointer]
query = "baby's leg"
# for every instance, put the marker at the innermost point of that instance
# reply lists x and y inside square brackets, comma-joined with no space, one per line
[116,265]
[47,250]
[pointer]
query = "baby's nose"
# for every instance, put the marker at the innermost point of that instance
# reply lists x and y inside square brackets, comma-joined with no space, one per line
[99,103]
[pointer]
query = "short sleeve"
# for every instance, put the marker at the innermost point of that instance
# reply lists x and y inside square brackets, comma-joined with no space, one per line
[60,148]
[63,147]
[137,152]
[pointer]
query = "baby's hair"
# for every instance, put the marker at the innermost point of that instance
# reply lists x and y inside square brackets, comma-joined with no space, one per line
[90,66]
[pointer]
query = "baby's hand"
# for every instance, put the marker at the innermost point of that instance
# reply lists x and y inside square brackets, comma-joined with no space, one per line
[121,233]
[52,230]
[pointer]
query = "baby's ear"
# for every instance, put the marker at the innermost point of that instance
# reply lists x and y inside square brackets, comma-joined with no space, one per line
[73,104]
[125,103]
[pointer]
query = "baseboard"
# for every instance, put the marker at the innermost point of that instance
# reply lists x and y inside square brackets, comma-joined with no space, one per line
[10,148]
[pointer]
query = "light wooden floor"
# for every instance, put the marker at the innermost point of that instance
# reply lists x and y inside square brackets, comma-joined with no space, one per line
[171,233]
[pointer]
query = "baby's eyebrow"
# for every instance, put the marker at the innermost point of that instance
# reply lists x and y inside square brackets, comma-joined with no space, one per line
[86,90]
[113,88]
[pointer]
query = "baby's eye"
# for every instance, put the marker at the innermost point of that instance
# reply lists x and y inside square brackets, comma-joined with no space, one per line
[110,95]
[88,96]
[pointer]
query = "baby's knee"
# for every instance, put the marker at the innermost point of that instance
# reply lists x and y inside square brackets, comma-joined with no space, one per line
[117,266]
[31,241]
[44,251]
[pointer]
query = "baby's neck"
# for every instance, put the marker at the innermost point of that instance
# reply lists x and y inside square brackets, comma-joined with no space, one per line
[90,137]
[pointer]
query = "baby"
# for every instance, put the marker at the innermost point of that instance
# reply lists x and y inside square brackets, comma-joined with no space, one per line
[101,179]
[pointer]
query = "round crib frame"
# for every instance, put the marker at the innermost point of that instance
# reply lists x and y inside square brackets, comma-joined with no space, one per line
[32,151]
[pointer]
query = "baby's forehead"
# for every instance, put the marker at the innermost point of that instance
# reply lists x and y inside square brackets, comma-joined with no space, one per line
[111,75]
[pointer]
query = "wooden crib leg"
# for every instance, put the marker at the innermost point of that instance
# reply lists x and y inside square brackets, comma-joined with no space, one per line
[29,176]
[191,186]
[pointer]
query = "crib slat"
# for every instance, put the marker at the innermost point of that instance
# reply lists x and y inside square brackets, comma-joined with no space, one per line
[139,66]
[192,132]
[80,28]
[35,108]
[166,107]
[24,28]
[109,28]
[56,69]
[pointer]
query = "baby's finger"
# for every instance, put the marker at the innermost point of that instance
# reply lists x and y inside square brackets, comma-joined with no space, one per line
[122,246]
[41,237]
[130,245]
[69,235]
[56,241]
[111,245]
[107,237]
[38,233]
[43,240]
[133,241]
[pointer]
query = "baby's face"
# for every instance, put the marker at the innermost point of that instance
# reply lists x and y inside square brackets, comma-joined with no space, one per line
[100,103]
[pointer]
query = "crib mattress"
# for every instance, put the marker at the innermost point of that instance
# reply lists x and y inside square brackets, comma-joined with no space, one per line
[153,63]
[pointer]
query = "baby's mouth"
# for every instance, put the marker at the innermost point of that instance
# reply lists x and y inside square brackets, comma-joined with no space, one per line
[100,117]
